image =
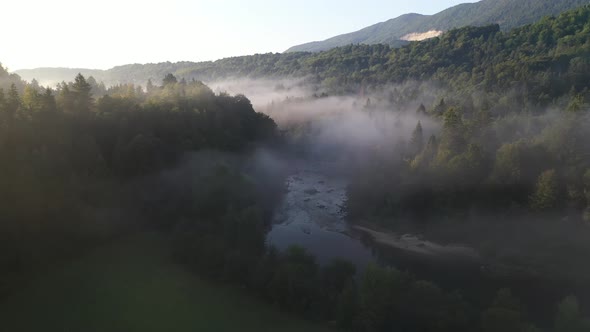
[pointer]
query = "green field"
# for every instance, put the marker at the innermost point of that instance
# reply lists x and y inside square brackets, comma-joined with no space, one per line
[133,286]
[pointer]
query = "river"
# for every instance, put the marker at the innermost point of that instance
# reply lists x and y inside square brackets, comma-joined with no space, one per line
[312,216]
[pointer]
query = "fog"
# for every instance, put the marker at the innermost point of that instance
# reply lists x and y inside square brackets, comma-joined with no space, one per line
[340,128]
[342,124]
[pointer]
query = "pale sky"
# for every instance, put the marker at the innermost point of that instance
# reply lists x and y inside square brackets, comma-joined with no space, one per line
[106,33]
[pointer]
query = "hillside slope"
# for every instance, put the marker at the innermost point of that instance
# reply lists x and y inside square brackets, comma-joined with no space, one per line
[507,13]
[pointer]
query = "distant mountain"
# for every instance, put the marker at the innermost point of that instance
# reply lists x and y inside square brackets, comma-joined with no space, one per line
[396,32]
[132,73]
[52,76]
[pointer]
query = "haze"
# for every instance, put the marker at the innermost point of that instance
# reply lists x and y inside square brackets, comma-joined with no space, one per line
[66,33]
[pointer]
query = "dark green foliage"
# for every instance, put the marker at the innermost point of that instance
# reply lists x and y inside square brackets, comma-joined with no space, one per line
[13,102]
[569,318]
[546,193]
[82,95]
[294,283]
[379,291]
[74,171]
[335,278]
[417,140]
[505,314]
[169,79]
[347,307]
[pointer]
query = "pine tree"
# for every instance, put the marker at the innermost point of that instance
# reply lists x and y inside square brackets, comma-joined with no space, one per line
[452,140]
[421,110]
[82,93]
[65,98]
[441,107]
[48,103]
[417,140]
[31,100]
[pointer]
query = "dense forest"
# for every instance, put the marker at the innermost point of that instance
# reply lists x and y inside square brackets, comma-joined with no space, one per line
[499,143]
[76,169]
[511,149]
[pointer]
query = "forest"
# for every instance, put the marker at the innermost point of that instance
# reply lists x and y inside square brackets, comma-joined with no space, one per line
[75,168]
[496,155]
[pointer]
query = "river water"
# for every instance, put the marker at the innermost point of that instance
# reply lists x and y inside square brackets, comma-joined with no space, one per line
[312,216]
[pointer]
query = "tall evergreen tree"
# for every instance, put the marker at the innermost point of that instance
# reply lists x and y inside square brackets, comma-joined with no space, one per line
[31,100]
[417,140]
[82,93]
[48,103]
[65,98]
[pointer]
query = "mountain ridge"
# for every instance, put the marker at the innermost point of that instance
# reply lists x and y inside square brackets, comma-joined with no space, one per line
[507,13]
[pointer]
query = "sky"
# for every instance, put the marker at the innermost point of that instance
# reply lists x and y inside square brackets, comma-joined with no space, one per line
[103,34]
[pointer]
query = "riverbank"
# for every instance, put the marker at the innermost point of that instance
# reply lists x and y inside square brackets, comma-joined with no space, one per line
[417,245]
[491,265]
[414,244]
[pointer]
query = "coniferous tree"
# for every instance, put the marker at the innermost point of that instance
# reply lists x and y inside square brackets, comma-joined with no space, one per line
[421,110]
[65,98]
[82,94]
[31,100]
[48,103]
[169,79]
[417,140]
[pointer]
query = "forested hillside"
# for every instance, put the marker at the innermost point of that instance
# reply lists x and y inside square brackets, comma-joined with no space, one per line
[498,81]
[508,14]
[511,156]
